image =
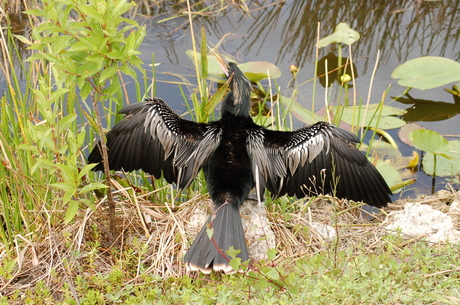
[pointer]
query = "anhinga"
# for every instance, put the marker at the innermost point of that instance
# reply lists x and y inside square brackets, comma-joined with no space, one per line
[237,155]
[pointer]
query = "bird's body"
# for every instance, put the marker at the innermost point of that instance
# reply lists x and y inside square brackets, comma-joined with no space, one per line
[237,155]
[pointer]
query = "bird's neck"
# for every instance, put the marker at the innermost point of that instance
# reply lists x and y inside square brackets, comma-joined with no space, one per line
[236,108]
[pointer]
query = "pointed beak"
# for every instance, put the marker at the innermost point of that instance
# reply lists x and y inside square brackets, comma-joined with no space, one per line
[222,62]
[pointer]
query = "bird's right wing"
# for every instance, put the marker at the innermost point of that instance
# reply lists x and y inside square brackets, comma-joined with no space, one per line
[152,137]
[318,159]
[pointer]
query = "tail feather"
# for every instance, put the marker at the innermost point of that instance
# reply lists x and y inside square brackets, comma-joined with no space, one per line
[207,254]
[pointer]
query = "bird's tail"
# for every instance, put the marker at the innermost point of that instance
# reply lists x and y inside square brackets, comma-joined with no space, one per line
[208,251]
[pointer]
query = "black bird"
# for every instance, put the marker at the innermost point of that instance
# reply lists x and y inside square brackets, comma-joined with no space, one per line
[237,155]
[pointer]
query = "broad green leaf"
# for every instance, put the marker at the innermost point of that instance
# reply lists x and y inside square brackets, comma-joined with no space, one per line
[81,45]
[235,263]
[35,12]
[429,141]
[444,167]
[23,39]
[273,274]
[87,69]
[65,122]
[389,173]
[303,114]
[72,210]
[92,186]
[107,73]
[91,12]
[427,72]
[371,108]
[271,253]
[258,70]
[214,67]
[385,122]
[342,34]
[210,232]
[254,70]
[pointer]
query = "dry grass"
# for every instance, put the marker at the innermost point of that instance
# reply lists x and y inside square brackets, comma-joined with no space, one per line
[156,237]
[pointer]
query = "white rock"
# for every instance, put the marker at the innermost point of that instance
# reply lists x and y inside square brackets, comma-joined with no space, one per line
[259,236]
[325,231]
[419,220]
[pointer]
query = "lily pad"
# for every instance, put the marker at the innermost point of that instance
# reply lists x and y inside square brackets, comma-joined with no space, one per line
[427,72]
[300,112]
[385,122]
[389,173]
[371,108]
[214,67]
[406,130]
[342,34]
[254,70]
[258,70]
[444,167]
[429,141]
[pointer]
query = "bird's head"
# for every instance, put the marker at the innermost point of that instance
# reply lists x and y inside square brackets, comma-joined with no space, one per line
[237,101]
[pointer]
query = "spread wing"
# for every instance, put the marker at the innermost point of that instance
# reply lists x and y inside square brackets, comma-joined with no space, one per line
[318,159]
[152,137]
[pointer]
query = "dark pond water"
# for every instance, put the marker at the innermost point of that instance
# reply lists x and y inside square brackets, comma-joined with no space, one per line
[285,33]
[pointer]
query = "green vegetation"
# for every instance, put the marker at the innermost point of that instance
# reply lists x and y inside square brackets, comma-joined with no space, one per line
[68,238]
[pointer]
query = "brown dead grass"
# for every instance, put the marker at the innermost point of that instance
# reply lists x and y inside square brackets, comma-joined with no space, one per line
[159,234]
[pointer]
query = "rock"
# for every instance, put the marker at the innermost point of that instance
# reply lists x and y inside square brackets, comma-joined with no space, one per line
[259,235]
[421,220]
[327,232]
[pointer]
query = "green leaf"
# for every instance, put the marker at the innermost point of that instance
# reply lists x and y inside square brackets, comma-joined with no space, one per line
[214,67]
[63,186]
[353,115]
[444,167]
[72,210]
[303,114]
[385,122]
[86,169]
[126,69]
[273,274]
[254,70]
[92,186]
[87,69]
[215,99]
[23,39]
[91,12]
[429,141]
[35,12]
[107,73]
[210,232]
[235,263]
[258,70]
[342,34]
[80,45]
[65,122]
[427,72]
[371,108]
[85,90]
[271,253]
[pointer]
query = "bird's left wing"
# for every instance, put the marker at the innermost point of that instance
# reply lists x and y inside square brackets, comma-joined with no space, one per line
[318,159]
[152,137]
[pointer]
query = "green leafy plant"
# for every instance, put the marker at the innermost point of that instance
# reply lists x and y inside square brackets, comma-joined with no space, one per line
[86,54]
